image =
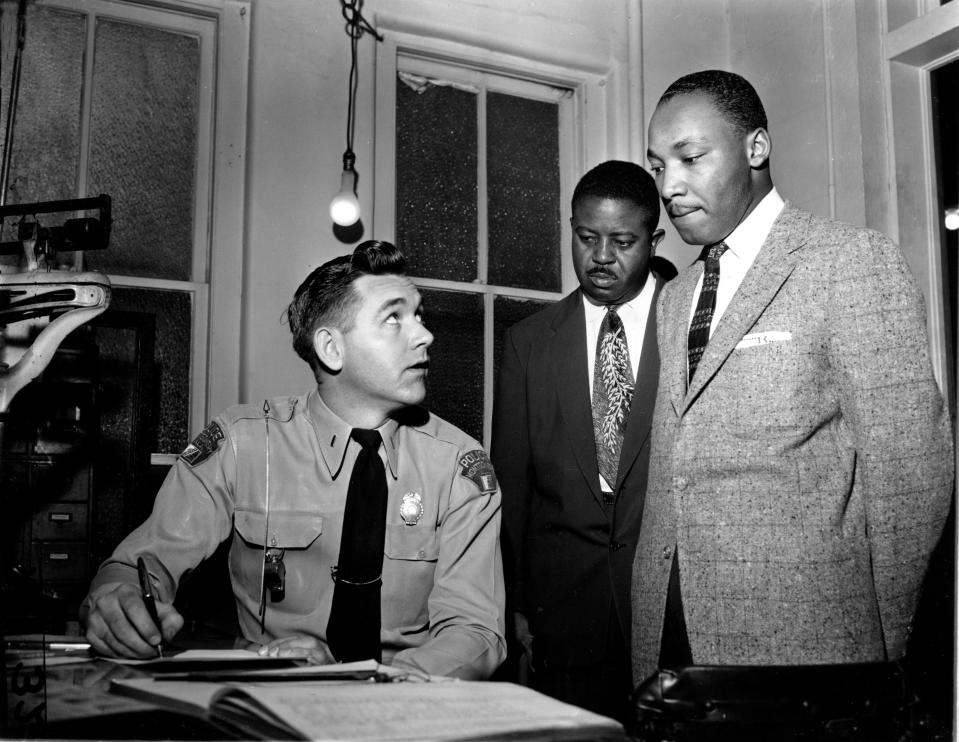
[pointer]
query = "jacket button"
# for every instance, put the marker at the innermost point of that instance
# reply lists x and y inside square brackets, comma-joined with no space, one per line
[680,483]
[615,545]
[667,552]
[421,554]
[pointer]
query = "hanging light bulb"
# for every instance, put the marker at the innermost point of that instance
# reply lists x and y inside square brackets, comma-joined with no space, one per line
[345,206]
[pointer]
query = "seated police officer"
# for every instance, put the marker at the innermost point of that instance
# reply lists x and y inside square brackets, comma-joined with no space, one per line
[362,525]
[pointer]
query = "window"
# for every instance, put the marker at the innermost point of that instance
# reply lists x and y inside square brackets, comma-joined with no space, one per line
[483,161]
[121,98]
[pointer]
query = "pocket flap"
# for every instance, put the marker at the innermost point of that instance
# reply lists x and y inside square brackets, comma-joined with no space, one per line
[411,543]
[293,529]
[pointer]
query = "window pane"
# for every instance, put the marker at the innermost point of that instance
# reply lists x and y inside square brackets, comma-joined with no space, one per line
[455,383]
[143,148]
[506,313]
[171,362]
[45,154]
[436,165]
[523,177]
[127,406]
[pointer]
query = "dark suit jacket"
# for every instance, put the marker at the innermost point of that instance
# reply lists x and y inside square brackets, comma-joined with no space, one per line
[567,559]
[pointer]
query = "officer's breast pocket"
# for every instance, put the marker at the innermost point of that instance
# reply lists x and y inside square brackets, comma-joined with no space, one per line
[281,551]
[409,567]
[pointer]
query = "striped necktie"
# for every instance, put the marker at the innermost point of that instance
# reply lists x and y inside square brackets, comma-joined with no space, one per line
[703,317]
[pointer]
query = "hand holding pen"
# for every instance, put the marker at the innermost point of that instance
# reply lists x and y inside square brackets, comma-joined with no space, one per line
[117,616]
[149,598]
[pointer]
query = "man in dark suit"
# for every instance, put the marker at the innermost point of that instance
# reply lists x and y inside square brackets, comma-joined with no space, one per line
[802,460]
[571,425]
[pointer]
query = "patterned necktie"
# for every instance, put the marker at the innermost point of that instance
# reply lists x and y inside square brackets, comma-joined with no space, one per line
[703,317]
[612,394]
[353,631]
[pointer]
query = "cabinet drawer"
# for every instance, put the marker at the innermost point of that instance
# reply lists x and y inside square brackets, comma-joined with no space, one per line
[62,483]
[65,560]
[65,521]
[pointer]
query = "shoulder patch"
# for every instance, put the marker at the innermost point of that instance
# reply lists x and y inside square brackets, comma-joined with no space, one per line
[476,466]
[203,445]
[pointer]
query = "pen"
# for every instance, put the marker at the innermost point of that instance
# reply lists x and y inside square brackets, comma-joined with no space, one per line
[146,586]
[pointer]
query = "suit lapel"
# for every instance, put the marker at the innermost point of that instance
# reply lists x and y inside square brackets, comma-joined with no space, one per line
[773,265]
[675,328]
[572,387]
[644,398]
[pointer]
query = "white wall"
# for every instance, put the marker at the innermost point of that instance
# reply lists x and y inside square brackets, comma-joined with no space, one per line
[803,58]
[815,63]
[297,132]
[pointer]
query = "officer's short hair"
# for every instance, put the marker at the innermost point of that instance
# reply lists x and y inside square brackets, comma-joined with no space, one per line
[621,181]
[327,297]
[734,97]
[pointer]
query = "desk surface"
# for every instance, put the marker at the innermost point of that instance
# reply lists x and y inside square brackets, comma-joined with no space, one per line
[74,701]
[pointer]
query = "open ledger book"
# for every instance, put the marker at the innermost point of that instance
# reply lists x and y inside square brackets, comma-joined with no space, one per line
[336,709]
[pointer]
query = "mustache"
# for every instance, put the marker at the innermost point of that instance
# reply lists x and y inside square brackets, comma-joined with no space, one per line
[600,272]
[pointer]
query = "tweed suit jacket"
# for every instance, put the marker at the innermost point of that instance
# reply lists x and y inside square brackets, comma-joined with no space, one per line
[806,473]
[568,560]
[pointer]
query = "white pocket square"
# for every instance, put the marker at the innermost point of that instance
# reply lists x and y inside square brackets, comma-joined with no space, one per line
[762,338]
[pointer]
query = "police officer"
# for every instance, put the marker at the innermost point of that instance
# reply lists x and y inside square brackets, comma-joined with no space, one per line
[276,476]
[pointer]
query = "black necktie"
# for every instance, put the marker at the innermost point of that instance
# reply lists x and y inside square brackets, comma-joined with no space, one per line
[612,394]
[353,631]
[703,317]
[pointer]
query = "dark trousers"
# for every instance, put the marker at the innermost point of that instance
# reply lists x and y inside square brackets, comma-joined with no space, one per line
[674,650]
[603,688]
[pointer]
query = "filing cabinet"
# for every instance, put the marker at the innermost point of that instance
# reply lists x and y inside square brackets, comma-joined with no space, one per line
[50,440]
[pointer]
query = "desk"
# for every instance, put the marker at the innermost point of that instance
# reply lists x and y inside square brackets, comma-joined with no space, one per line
[73,701]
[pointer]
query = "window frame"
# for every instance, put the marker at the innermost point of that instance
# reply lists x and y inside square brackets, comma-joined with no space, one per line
[912,51]
[215,288]
[585,114]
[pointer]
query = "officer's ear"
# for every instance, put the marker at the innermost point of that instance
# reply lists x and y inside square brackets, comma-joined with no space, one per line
[328,346]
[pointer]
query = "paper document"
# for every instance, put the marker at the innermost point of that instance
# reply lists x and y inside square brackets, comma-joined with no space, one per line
[381,712]
[199,660]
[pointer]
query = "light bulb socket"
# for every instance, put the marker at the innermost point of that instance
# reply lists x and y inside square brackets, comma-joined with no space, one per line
[349,160]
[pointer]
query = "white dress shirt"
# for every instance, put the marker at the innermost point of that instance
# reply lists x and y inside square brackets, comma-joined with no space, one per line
[744,243]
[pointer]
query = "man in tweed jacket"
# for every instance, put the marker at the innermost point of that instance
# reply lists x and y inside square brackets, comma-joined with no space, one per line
[800,482]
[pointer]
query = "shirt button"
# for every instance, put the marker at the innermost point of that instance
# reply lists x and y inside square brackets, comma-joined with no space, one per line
[667,552]
[680,483]
[421,554]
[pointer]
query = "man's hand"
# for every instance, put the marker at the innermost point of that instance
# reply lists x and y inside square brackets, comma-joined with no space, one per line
[523,635]
[118,624]
[308,647]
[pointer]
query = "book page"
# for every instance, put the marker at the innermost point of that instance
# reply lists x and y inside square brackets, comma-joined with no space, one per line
[189,698]
[456,710]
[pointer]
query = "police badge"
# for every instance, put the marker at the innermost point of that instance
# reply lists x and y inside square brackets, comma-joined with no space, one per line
[411,509]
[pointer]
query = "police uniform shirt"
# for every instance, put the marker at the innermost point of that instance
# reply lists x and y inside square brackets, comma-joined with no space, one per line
[442,594]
